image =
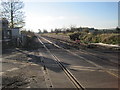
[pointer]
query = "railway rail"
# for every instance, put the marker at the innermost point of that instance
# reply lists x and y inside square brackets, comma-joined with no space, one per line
[83,45]
[99,66]
[81,49]
[72,78]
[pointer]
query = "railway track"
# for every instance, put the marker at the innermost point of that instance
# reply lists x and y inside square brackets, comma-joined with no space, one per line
[99,66]
[92,45]
[72,78]
[92,52]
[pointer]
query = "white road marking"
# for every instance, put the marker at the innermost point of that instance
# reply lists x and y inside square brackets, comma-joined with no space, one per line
[1,73]
[85,68]
[22,66]
[9,56]
[28,87]
[13,69]
[34,64]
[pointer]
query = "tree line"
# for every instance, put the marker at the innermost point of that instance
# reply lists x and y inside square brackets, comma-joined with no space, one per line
[73,29]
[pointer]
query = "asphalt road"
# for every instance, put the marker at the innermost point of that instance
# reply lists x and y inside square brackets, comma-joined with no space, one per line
[92,69]
[19,70]
[40,68]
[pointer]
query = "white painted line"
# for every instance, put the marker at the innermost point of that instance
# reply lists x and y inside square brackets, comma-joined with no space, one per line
[85,68]
[52,43]
[13,69]
[9,56]
[34,64]
[1,73]
[28,87]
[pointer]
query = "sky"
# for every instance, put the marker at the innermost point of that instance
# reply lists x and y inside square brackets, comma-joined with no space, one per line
[51,15]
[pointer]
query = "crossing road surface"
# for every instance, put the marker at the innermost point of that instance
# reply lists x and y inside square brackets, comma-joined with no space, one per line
[58,65]
[89,71]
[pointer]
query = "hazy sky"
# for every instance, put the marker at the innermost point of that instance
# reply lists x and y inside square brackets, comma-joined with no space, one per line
[48,15]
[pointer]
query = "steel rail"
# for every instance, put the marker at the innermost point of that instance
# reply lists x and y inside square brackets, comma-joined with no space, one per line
[109,72]
[72,78]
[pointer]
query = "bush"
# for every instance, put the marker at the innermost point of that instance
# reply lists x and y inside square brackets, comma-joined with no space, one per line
[74,36]
[31,42]
[110,38]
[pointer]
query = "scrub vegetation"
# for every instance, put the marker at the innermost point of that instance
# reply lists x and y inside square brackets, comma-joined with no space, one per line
[108,38]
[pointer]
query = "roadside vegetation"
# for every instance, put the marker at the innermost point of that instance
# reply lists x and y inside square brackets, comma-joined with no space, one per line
[108,38]
[85,36]
[30,40]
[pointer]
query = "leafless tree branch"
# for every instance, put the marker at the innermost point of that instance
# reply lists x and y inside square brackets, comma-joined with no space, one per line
[12,11]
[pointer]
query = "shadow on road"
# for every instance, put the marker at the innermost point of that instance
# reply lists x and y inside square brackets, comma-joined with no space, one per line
[48,63]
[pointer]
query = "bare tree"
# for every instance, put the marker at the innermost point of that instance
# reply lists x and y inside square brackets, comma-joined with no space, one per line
[12,11]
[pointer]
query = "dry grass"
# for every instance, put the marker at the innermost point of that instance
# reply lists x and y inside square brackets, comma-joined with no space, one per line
[111,38]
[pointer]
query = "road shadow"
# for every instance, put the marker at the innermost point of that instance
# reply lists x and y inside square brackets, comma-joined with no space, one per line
[45,62]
